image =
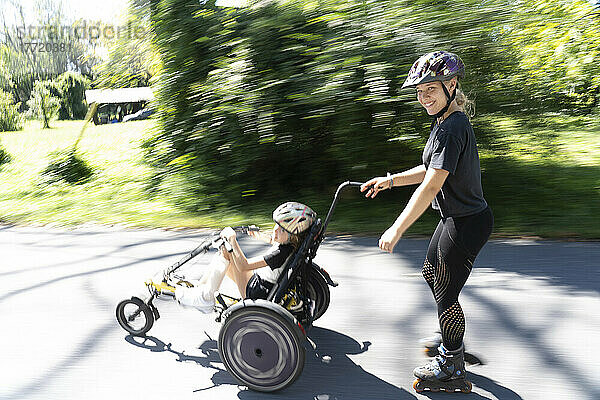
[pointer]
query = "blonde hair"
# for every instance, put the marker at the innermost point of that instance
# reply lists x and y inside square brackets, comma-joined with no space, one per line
[467,105]
[294,240]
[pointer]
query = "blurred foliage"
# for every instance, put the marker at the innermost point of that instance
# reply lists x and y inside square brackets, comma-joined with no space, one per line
[292,97]
[559,46]
[10,119]
[44,103]
[68,166]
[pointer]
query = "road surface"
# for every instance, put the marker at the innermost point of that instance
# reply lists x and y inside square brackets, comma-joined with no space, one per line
[531,306]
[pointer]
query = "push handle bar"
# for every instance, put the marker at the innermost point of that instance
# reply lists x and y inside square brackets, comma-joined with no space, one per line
[334,203]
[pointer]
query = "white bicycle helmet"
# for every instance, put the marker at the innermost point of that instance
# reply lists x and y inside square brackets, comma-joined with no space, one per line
[294,217]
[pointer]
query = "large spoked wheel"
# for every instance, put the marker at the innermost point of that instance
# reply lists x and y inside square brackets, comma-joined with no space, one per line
[318,292]
[135,316]
[261,349]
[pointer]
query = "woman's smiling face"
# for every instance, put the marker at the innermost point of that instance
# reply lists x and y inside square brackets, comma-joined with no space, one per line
[432,96]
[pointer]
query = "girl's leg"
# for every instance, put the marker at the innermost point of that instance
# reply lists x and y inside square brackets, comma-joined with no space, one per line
[215,273]
[240,278]
[202,294]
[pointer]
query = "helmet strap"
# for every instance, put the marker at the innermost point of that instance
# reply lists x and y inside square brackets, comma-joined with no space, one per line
[449,99]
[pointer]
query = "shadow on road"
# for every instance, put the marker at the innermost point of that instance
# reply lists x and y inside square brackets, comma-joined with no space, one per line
[327,375]
[561,263]
[328,372]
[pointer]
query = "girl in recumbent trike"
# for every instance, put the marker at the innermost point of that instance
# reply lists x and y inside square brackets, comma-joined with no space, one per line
[262,339]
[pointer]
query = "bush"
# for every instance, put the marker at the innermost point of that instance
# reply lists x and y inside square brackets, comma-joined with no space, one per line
[10,119]
[68,166]
[71,89]
[43,104]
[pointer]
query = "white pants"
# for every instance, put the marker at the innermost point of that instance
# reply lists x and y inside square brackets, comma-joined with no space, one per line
[204,289]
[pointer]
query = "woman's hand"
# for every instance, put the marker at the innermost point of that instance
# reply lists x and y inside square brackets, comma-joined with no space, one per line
[375,185]
[390,237]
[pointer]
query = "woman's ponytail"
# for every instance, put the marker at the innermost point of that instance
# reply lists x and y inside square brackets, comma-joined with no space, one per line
[465,103]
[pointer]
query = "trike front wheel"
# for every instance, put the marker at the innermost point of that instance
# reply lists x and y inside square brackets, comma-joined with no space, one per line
[135,316]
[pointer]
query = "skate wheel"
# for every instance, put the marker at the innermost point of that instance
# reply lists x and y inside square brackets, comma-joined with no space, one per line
[430,352]
[467,388]
[449,390]
[418,386]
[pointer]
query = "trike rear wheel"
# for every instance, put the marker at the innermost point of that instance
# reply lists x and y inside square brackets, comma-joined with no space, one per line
[261,349]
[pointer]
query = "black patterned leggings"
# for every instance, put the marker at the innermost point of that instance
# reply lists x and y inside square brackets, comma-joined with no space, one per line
[450,256]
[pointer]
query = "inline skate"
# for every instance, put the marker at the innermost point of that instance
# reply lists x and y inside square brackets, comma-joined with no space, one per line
[445,372]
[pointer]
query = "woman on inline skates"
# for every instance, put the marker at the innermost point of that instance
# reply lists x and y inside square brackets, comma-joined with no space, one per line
[450,180]
[254,276]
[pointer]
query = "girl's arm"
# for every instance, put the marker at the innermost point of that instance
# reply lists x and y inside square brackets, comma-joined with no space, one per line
[418,203]
[409,177]
[260,235]
[237,256]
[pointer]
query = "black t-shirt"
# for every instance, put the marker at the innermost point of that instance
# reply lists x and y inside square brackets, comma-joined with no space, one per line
[278,254]
[452,147]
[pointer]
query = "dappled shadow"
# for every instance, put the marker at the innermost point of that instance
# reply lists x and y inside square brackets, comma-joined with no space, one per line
[561,263]
[489,385]
[534,338]
[12,293]
[77,354]
[334,376]
[155,345]
[208,359]
[250,248]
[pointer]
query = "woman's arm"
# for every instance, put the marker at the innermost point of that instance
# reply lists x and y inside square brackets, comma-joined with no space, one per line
[412,176]
[409,177]
[418,203]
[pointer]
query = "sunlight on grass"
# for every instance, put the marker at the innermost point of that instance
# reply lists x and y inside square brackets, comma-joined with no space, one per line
[115,194]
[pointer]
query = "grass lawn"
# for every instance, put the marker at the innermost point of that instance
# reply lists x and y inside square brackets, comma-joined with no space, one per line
[542,178]
[115,195]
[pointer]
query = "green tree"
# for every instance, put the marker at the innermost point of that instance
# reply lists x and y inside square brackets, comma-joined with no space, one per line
[132,57]
[71,88]
[43,105]
[309,93]
[43,52]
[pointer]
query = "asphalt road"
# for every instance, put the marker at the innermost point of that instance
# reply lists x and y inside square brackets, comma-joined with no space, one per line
[531,306]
